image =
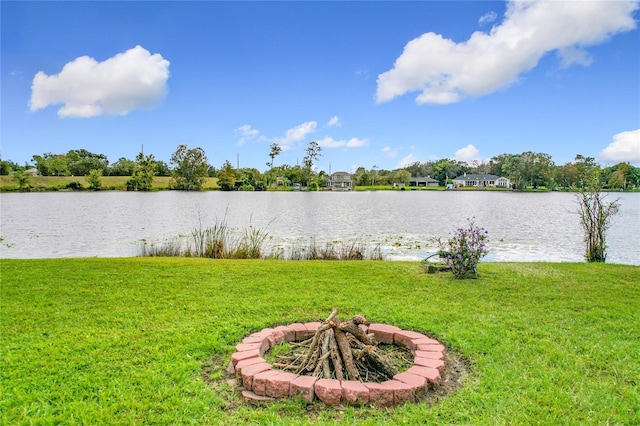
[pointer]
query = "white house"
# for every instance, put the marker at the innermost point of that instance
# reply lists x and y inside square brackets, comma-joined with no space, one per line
[482,181]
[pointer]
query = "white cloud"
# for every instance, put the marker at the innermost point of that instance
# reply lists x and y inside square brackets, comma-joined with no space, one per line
[390,152]
[445,71]
[487,17]
[246,133]
[406,161]
[131,80]
[357,143]
[625,147]
[297,134]
[467,154]
[574,55]
[334,122]
[329,142]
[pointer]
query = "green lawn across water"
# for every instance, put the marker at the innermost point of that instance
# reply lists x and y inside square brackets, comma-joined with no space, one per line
[124,341]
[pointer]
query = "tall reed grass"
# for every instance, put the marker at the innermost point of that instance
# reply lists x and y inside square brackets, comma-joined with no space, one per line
[220,241]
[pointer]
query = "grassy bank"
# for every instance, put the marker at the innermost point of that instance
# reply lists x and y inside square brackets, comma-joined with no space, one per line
[124,341]
[59,183]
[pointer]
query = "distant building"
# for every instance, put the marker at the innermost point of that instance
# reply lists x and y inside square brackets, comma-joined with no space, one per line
[482,181]
[423,181]
[340,181]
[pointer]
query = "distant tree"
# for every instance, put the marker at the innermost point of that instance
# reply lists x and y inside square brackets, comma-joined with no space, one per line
[586,169]
[361,177]
[566,175]
[415,169]
[537,169]
[190,168]
[275,151]
[401,177]
[22,178]
[313,151]
[95,179]
[514,169]
[634,177]
[80,162]
[162,169]
[618,176]
[50,164]
[7,166]
[122,167]
[227,177]
[294,174]
[143,173]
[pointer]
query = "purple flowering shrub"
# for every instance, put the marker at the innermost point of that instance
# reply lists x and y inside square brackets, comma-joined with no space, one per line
[466,247]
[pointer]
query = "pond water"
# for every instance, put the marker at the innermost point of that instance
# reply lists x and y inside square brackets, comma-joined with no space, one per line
[522,226]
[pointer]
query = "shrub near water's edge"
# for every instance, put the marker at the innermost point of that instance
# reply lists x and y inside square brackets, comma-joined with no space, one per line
[466,247]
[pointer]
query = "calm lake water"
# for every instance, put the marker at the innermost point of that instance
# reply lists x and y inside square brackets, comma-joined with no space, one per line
[522,226]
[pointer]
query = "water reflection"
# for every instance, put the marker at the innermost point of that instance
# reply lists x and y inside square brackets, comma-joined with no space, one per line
[522,227]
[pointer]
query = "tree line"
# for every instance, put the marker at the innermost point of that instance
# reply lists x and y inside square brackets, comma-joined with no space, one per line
[189,167]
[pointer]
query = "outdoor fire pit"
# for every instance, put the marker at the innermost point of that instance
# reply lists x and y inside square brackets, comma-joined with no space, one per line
[338,362]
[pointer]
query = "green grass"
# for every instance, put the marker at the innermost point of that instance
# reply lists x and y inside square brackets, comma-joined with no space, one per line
[124,341]
[54,183]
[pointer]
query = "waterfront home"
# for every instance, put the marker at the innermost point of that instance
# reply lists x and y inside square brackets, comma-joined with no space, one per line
[340,181]
[481,181]
[423,181]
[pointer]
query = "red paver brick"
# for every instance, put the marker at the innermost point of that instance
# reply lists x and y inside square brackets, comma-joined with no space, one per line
[354,393]
[249,371]
[383,333]
[239,356]
[262,340]
[421,361]
[282,328]
[289,334]
[431,374]
[303,387]
[259,385]
[254,338]
[431,347]
[406,338]
[380,394]
[429,355]
[328,391]
[309,330]
[278,386]
[241,347]
[402,392]
[426,341]
[300,330]
[247,362]
[418,383]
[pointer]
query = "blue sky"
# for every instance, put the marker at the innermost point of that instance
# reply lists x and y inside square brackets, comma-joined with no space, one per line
[374,83]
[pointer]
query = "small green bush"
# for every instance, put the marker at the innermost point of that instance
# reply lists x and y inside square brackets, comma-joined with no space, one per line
[73,185]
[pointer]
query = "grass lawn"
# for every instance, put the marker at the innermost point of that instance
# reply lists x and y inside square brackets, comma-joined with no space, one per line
[125,341]
[49,183]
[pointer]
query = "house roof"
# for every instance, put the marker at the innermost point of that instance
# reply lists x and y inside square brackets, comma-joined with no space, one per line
[423,179]
[477,177]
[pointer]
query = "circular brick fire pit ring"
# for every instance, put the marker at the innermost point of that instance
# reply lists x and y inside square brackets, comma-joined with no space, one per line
[261,381]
